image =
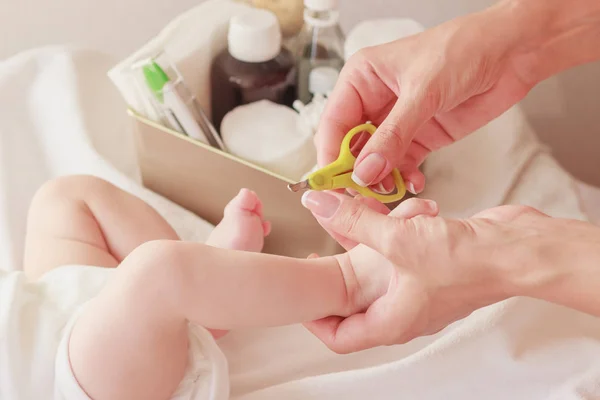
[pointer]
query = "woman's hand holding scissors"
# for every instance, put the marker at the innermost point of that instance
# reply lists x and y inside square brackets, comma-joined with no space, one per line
[424,92]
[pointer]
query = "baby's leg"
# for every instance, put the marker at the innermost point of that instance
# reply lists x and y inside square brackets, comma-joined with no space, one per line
[86,220]
[131,342]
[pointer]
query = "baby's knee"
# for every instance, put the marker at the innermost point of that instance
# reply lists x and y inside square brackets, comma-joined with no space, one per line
[158,266]
[72,187]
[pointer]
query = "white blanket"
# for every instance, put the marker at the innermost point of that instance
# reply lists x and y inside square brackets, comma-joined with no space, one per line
[57,105]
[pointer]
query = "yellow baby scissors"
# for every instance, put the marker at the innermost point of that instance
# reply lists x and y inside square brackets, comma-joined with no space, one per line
[338,174]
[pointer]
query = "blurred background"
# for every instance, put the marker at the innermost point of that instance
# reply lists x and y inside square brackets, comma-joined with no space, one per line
[563,110]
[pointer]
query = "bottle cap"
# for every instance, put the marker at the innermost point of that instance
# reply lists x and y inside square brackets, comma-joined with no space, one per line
[254,36]
[322,80]
[156,79]
[321,5]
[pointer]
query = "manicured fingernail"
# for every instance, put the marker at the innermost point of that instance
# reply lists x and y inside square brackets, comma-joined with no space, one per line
[411,187]
[320,203]
[365,173]
[380,188]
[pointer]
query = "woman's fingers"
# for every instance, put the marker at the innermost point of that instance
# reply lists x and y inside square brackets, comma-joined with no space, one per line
[389,320]
[390,143]
[357,332]
[346,217]
[413,207]
[343,112]
[344,335]
[359,95]
[375,205]
[414,179]
[357,222]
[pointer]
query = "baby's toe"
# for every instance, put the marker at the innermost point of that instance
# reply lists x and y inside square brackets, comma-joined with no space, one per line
[266,228]
[245,201]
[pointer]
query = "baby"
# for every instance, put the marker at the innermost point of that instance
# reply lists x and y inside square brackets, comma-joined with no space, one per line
[74,326]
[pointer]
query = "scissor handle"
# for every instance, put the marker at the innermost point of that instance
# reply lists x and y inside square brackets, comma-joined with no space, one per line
[338,175]
[345,150]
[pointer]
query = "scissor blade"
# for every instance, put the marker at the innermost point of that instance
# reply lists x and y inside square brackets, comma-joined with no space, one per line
[297,187]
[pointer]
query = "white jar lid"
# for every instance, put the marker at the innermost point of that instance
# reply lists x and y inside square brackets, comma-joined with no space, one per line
[254,36]
[322,80]
[321,5]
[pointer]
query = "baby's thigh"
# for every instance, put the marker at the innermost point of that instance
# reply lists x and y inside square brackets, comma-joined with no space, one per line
[62,230]
[133,340]
[144,353]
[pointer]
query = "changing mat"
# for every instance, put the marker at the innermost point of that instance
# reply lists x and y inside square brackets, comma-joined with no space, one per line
[59,114]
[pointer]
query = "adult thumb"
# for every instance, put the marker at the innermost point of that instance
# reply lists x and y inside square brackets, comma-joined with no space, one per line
[350,218]
[387,147]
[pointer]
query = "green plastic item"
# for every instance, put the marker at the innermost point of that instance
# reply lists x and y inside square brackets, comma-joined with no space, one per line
[156,79]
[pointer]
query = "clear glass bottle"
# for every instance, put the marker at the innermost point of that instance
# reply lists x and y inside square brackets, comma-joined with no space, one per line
[320,49]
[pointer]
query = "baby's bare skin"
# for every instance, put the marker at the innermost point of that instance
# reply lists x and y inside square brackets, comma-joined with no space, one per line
[217,288]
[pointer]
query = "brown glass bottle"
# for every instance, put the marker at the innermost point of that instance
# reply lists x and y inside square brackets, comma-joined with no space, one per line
[254,67]
[235,82]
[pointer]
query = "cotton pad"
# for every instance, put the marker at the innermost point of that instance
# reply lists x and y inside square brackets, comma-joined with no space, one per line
[379,31]
[271,136]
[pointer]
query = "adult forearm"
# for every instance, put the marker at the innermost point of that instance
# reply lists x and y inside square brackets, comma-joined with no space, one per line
[562,266]
[576,282]
[552,35]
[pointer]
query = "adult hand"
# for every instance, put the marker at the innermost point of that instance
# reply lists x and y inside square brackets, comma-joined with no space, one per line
[431,89]
[444,269]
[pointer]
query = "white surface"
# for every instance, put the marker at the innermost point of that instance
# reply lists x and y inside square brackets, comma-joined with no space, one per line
[52,102]
[32,318]
[254,36]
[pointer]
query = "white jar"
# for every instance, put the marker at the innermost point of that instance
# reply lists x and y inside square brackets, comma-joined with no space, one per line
[271,136]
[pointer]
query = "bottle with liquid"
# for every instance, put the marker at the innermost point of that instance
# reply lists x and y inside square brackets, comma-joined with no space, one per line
[254,67]
[321,49]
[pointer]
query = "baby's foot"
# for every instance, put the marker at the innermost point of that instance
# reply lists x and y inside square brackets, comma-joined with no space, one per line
[242,227]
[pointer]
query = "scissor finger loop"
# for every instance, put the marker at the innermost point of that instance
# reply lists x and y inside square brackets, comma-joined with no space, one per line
[338,174]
